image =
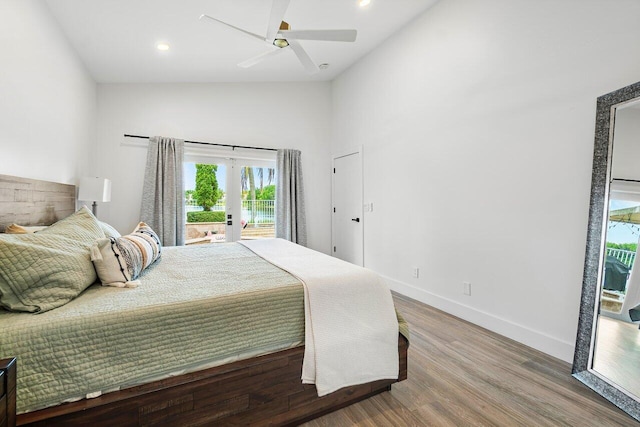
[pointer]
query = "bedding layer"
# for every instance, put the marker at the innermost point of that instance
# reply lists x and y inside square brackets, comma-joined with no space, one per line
[197,307]
[344,303]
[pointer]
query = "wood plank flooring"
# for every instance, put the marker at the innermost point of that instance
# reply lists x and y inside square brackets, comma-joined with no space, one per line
[463,375]
[617,354]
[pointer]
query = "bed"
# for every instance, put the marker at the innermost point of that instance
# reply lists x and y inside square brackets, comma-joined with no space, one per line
[238,378]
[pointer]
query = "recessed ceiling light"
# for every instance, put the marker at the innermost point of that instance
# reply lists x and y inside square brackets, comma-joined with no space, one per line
[162,46]
[323,66]
[363,3]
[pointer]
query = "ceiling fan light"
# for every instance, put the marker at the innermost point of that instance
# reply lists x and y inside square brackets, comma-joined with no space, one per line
[280,43]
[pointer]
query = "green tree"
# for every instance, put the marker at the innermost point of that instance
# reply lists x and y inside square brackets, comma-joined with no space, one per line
[248,177]
[624,246]
[207,192]
[248,181]
[266,193]
[189,195]
[271,175]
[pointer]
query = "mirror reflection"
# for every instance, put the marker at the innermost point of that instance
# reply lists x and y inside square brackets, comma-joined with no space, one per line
[617,345]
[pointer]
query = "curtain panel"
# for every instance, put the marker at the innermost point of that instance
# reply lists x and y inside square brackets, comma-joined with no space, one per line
[163,190]
[290,207]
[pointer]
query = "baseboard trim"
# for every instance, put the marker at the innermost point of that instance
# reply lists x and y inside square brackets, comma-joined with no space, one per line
[532,338]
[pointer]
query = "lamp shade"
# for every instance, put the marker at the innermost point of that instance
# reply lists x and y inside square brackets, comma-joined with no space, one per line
[95,189]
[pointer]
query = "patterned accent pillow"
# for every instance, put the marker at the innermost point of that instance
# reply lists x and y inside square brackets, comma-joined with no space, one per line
[44,270]
[119,261]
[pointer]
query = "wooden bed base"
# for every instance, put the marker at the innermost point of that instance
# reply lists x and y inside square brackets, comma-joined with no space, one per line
[264,390]
[7,392]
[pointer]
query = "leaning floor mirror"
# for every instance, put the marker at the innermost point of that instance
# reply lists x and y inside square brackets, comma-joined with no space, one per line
[607,356]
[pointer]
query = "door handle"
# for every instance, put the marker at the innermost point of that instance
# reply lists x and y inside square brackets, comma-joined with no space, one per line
[355,219]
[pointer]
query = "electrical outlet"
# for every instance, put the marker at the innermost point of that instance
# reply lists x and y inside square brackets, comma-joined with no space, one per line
[416,272]
[466,288]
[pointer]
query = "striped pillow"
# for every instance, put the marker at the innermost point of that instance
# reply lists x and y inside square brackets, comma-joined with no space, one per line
[120,260]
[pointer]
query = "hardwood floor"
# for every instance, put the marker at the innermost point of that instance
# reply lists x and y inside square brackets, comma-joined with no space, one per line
[463,375]
[617,354]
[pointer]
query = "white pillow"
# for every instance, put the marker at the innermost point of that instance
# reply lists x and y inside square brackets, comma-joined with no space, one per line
[108,230]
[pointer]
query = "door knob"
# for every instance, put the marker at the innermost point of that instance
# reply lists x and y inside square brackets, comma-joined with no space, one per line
[355,219]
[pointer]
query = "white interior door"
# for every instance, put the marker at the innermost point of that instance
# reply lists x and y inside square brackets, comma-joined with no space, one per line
[348,220]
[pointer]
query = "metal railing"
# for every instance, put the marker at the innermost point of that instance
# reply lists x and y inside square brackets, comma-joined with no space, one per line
[253,211]
[193,206]
[259,211]
[626,257]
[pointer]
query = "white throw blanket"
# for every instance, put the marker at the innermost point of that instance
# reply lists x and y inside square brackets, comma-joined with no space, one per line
[351,328]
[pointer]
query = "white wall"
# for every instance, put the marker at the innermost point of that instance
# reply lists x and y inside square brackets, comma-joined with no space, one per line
[289,115]
[477,122]
[47,99]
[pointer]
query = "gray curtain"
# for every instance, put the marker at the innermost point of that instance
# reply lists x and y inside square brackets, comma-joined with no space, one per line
[163,192]
[290,215]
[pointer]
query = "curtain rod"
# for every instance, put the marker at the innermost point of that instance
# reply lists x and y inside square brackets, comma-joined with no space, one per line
[233,147]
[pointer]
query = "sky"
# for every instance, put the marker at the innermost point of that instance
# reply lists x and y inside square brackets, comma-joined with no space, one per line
[620,232]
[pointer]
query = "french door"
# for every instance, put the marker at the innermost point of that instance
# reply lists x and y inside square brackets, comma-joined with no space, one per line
[228,199]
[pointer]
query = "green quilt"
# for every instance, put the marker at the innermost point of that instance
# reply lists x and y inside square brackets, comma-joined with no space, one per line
[208,304]
[199,306]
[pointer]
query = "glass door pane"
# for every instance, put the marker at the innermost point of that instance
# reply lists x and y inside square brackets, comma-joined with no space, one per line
[621,247]
[205,202]
[258,191]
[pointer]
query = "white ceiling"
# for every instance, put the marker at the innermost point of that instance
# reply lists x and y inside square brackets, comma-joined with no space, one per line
[116,39]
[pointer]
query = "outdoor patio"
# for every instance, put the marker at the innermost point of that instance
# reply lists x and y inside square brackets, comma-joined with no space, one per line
[214,232]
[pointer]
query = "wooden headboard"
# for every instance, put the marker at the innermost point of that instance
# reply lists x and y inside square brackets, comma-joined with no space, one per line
[33,202]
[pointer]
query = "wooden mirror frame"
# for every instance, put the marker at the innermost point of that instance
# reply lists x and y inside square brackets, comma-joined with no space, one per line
[594,257]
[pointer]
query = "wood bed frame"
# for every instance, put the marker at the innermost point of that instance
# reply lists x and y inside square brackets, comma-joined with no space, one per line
[264,390]
[260,391]
[7,392]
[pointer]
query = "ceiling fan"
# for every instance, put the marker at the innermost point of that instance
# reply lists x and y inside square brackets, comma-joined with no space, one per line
[280,37]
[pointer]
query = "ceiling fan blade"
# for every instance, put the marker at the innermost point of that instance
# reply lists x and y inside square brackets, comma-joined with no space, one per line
[259,58]
[277,14]
[324,35]
[249,33]
[302,55]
